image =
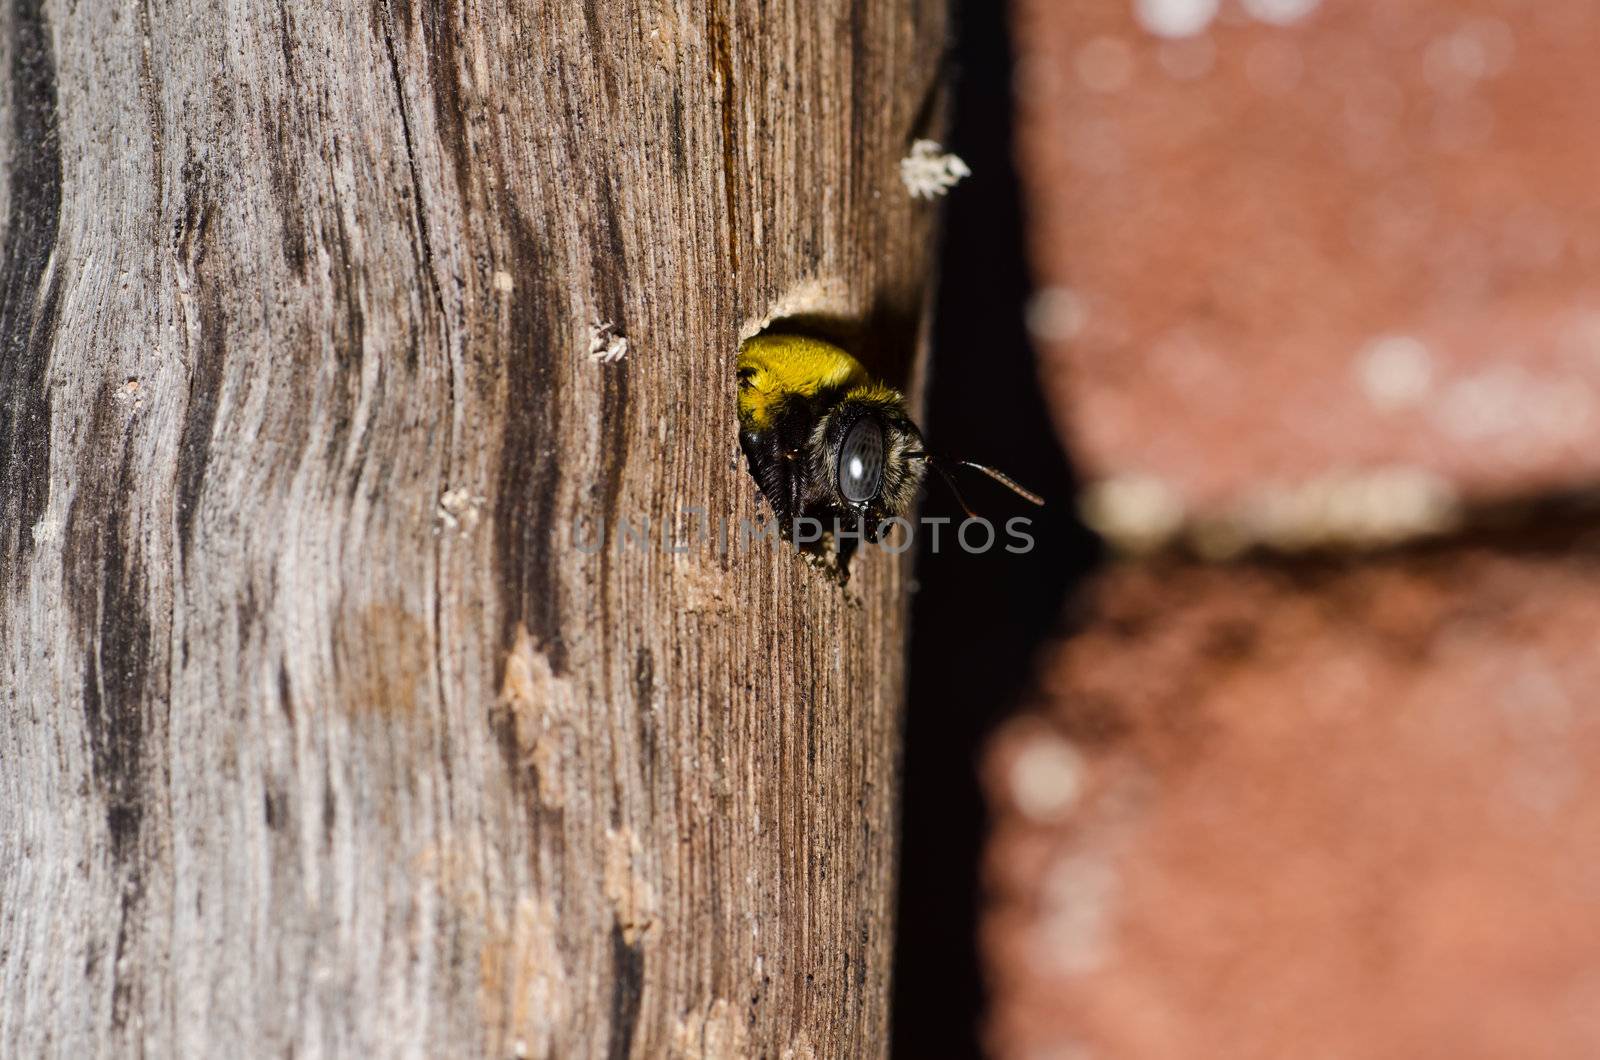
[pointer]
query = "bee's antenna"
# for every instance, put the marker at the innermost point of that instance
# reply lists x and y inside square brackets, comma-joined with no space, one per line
[948,481]
[938,464]
[1005,480]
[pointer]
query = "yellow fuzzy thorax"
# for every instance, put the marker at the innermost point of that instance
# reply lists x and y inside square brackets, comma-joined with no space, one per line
[773,368]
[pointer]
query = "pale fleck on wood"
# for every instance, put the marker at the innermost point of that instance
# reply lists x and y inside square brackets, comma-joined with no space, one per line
[289,765]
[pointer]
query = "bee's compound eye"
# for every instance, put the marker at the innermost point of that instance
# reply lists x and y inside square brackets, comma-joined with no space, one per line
[861,461]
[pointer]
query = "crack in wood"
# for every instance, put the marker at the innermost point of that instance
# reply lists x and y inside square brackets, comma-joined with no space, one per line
[29,285]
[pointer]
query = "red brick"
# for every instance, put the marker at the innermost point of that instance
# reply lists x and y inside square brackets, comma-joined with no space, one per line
[1342,811]
[1369,238]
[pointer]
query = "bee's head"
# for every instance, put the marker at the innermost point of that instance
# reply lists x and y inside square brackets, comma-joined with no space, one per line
[866,458]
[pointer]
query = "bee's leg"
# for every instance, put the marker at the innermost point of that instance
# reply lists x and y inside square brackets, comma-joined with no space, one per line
[773,474]
[792,474]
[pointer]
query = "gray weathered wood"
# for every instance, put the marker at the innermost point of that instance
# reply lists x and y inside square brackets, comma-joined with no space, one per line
[289,763]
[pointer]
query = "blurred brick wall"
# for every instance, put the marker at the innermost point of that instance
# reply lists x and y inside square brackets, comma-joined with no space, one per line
[1318,310]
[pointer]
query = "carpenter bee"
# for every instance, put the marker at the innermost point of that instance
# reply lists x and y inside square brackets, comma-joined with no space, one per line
[825,441]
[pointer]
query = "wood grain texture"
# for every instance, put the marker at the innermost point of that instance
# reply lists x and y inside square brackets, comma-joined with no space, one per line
[289,764]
